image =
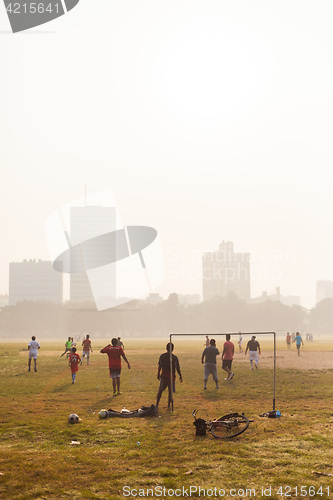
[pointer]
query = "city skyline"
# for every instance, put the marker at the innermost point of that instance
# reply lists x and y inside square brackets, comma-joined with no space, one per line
[324,288]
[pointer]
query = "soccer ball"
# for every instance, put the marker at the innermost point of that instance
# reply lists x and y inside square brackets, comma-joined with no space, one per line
[73,418]
[103,414]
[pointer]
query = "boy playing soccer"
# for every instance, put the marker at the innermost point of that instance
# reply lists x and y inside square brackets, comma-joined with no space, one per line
[115,353]
[68,347]
[73,361]
[86,348]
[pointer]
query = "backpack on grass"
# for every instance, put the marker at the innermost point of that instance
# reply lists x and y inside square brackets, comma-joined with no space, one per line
[271,414]
[200,427]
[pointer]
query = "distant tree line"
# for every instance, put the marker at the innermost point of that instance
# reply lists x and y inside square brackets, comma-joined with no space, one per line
[141,319]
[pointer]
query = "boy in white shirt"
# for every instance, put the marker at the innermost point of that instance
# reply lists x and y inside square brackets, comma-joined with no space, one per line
[33,347]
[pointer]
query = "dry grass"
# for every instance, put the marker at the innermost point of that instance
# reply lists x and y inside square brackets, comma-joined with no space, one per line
[38,461]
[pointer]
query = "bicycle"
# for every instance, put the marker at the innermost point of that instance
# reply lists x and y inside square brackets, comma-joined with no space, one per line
[226,427]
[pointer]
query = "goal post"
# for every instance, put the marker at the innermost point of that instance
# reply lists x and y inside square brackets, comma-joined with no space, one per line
[218,334]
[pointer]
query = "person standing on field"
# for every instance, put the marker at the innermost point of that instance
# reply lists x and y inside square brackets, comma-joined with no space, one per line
[240,341]
[86,343]
[115,354]
[253,347]
[33,347]
[120,344]
[288,340]
[164,375]
[68,347]
[227,357]
[207,341]
[298,339]
[208,358]
[73,362]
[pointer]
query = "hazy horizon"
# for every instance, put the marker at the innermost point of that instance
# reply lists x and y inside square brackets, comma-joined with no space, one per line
[209,120]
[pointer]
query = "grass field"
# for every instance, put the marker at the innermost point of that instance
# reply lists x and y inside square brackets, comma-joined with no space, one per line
[122,458]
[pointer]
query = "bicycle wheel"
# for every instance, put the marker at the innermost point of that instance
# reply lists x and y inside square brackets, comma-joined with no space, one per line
[229,426]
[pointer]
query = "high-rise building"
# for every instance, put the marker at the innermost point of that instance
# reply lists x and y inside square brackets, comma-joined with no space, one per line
[324,290]
[34,280]
[86,223]
[225,271]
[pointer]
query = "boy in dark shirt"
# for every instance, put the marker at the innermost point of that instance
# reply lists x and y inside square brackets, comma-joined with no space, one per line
[209,359]
[163,373]
[253,347]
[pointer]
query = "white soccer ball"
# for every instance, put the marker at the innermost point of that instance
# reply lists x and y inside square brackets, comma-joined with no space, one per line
[73,418]
[103,414]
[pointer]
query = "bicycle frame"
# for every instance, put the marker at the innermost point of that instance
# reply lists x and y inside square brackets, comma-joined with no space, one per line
[226,427]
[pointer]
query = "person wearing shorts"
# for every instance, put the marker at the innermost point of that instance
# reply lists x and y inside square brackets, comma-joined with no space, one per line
[73,362]
[299,341]
[115,353]
[68,347]
[227,357]
[86,343]
[253,347]
[33,347]
[164,376]
[209,359]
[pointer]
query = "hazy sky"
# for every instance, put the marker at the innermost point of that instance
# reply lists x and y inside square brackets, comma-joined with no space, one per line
[210,120]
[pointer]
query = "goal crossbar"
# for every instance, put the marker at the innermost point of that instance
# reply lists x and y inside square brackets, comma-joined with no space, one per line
[215,335]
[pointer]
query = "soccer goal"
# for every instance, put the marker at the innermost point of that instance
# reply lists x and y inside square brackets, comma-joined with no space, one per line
[219,334]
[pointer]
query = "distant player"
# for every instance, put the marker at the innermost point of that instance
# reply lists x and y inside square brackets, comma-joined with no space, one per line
[33,347]
[73,362]
[227,357]
[115,354]
[68,347]
[164,375]
[86,348]
[299,341]
[288,340]
[240,341]
[207,341]
[253,347]
[120,344]
[209,358]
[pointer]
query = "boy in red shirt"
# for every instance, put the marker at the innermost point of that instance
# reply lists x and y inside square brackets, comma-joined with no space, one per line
[73,361]
[115,353]
[86,348]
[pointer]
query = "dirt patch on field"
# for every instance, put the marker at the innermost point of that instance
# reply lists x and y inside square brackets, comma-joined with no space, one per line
[308,360]
[315,360]
[41,352]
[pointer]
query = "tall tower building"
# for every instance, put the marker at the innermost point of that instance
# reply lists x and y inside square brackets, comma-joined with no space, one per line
[225,271]
[34,280]
[324,290]
[89,222]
